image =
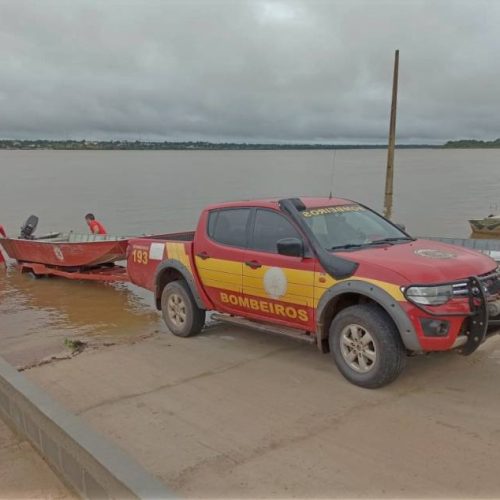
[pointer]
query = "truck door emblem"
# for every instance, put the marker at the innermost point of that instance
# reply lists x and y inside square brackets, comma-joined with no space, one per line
[275,282]
[434,254]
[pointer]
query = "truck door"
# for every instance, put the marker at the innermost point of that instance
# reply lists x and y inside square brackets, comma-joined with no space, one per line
[277,288]
[219,255]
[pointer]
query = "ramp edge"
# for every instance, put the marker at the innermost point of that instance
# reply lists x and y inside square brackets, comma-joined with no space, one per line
[86,461]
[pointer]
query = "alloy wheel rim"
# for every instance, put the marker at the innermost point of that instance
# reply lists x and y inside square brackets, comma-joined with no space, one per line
[358,348]
[176,309]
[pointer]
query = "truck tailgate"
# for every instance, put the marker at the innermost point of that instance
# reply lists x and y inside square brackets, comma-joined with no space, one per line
[144,255]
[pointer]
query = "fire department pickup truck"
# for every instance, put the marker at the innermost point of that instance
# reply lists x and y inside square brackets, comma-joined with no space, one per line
[327,270]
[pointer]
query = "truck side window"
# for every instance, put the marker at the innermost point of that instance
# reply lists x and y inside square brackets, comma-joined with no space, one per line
[269,228]
[229,226]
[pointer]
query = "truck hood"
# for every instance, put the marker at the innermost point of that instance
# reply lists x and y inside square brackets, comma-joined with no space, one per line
[425,261]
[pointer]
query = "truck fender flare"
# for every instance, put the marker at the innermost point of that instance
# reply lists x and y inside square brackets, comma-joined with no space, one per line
[185,273]
[380,297]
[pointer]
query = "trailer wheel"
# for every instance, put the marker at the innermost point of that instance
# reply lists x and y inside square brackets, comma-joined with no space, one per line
[180,312]
[366,346]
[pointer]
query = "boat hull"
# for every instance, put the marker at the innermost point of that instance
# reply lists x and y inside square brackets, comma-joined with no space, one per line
[490,226]
[64,254]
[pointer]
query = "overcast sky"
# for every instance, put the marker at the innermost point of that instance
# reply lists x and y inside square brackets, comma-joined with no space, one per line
[270,71]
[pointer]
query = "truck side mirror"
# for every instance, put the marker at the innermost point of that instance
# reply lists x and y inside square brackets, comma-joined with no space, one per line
[293,247]
[400,226]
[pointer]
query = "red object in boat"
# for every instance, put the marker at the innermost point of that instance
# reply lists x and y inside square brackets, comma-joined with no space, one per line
[75,251]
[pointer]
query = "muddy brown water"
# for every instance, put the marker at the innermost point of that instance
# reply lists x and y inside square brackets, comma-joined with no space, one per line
[436,191]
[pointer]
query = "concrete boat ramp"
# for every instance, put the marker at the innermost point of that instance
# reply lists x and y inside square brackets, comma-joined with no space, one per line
[236,413]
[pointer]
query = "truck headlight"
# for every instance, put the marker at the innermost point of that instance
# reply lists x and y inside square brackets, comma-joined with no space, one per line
[429,295]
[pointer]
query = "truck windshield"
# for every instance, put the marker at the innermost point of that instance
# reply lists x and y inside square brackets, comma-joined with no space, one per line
[350,226]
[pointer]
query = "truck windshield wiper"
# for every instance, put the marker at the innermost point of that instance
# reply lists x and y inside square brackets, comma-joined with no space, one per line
[390,240]
[374,242]
[347,245]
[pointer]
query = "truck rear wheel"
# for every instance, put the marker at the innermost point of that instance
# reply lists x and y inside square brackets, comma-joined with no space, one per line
[179,310]
[366,346]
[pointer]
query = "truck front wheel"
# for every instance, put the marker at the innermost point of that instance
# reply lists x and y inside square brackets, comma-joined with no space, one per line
[179,310]
[366,346]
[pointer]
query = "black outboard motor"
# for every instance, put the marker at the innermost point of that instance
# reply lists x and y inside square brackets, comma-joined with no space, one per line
[28,228]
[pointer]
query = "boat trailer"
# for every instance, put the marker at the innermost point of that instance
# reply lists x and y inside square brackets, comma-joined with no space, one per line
[108,273]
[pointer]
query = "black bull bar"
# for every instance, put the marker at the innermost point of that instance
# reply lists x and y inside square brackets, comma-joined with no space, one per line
[480,290]
[480,320]
[478,325]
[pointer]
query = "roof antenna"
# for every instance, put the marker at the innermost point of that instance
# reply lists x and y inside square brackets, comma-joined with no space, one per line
[333,171]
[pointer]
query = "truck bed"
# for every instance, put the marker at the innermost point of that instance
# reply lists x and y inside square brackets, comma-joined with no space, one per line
[146,253]
[184,236]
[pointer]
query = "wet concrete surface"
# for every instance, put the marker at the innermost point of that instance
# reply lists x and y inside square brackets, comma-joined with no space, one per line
[235,413]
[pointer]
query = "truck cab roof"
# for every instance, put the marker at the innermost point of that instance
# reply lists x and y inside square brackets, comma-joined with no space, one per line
[309,202]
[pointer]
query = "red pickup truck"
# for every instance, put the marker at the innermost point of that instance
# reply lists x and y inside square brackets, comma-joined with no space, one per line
[327,270]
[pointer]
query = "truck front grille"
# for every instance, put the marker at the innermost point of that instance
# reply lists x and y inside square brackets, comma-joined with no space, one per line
[490,282]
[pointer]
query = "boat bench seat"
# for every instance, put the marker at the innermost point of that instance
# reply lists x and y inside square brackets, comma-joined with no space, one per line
[86,238]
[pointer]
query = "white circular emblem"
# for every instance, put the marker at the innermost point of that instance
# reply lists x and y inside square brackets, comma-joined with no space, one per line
[58,253]
[435,254]
[275,282]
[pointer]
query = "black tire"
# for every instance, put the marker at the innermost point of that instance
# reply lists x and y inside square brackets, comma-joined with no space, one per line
[379,358]
[179,310]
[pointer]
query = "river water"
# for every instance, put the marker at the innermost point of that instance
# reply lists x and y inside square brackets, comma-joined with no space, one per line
[136,192]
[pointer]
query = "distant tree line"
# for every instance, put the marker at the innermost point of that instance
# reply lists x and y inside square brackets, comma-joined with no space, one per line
[168,145]
[204,145]
[473,143]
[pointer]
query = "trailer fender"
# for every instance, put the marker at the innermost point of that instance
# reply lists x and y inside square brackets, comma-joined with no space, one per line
[377,295]
[163,269]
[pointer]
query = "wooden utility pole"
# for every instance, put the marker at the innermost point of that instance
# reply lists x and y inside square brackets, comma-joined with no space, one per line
[389,175]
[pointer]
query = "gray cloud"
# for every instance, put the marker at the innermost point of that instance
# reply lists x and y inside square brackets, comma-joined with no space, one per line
[248,70]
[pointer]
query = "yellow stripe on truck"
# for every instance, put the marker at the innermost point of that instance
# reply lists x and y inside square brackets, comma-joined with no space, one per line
[177,251]
[299,300]
[219,265]
[292,288]
[210,274]
[304,288]
[221,285]
[295,276]
[218,273]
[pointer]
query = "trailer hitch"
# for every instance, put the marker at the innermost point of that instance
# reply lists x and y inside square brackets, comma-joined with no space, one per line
[478,322]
